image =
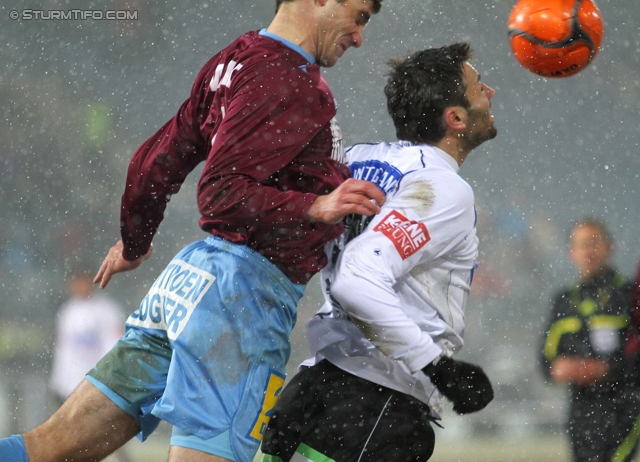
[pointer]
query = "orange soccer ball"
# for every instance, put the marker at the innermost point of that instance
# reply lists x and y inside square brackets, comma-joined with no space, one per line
[555,38]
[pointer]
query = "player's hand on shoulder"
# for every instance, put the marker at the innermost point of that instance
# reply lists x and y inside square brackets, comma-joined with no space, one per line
[352,196]
[114,263]
[464,384]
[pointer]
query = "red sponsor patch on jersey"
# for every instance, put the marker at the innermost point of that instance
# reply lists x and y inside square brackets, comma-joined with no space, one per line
[407,236]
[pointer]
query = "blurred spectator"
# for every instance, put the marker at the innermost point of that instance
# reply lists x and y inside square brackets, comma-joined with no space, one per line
[88,324]
[584,348]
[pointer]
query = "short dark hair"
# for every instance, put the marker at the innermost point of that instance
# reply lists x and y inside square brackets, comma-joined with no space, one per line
[421,86]
[376,4]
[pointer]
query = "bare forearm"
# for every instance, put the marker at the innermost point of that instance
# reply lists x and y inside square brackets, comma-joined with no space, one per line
[581,371]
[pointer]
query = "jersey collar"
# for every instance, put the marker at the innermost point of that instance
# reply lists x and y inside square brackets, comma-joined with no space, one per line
[446,157]
[289,44]
[450,160]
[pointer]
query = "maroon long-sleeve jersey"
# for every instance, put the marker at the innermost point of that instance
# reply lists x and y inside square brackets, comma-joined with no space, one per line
[261,117]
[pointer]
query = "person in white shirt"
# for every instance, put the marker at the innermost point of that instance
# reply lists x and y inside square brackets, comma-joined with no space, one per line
[397,284]
[88,324]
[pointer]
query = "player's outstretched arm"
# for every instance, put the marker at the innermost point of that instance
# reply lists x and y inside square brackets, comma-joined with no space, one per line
[352,196]
[114,263]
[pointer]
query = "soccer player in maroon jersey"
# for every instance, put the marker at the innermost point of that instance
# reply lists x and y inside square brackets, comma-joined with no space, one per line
[206,350]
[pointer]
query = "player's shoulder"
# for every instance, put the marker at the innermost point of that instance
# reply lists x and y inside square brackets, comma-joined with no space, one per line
[267,68]
[401,155]
[366,152]
[441,169]
[438,187]
[379,163]
[394,163]
[257,49]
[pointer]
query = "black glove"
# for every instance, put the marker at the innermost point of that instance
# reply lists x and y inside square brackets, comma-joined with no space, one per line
[465,385]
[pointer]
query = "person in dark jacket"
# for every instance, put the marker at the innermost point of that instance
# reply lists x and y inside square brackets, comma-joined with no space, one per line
[584,349]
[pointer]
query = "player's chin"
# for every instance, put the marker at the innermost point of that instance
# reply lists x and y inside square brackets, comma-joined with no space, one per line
[490,131]
[338,53]
[329,62]
[475,139]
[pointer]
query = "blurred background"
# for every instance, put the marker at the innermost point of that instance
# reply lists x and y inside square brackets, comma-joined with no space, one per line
[77,97]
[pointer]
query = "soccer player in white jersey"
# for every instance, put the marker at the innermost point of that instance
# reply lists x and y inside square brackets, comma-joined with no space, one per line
[396,286]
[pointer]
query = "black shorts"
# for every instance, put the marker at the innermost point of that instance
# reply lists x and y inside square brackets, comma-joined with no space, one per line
[327,414]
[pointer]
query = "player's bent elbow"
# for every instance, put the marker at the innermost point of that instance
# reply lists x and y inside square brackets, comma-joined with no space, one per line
[355,286]
[340,290]
[349,292]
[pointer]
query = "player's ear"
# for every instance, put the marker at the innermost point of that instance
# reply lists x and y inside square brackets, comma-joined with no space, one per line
[455,118]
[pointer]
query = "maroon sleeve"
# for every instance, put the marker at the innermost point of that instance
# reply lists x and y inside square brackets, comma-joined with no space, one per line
[157,170]
[270,120]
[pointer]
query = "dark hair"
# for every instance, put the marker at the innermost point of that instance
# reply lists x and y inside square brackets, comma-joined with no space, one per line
[421,86]
[594,223]
[376,4]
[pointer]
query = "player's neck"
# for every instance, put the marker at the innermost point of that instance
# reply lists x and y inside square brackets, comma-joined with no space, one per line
[294,22]
[452,146]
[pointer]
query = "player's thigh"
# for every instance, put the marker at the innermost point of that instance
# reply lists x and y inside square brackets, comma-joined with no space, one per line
[297,408]
[403,432]
[133,374]
[87,403]
[373,423]
[351,419]
[98,427]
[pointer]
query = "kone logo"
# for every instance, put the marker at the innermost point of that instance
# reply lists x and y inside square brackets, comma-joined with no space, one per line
[407,236]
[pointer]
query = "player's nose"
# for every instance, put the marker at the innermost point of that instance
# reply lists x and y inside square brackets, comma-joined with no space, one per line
[489,91]
[357,38]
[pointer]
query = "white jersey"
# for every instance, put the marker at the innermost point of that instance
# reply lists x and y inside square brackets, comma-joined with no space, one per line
[86,329]
[396,293]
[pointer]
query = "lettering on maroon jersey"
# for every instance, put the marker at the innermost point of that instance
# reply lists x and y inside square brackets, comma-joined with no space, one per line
[337,149]
[218,80]
[408,236]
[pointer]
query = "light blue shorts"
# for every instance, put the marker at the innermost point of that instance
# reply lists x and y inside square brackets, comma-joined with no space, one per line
[206,350]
